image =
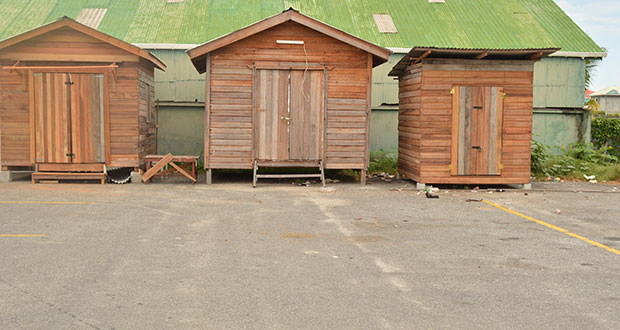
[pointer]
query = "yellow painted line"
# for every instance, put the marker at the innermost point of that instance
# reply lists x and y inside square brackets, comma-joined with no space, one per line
[554,227]
[42,202]
[17,235]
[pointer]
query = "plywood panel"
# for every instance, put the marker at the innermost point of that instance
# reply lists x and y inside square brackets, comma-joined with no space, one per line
[306,111]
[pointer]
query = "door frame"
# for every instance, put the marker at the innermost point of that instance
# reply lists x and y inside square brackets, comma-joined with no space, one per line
[105,71]
[290,67]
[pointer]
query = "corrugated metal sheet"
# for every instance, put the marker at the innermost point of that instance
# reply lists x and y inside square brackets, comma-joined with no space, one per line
[506,24]
[91,16]
[559,83]
[180,82]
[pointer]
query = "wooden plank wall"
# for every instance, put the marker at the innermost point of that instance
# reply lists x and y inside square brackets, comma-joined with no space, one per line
[147,115]
[438,77]
[71,48]
[230,131]
[14,118]
[409,122]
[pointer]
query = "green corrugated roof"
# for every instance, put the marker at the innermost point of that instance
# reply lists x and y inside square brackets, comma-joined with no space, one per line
[482,24]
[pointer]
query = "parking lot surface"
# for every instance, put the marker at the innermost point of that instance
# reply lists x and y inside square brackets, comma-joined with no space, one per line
[381,256]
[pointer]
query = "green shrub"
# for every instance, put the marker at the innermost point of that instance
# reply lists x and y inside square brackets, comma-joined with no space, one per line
[381,161]
[606,133]
[574,162]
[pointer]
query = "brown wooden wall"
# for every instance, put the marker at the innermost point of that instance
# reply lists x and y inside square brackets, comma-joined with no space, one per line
[130,135]
[230,87]
[14,118]
[425,118]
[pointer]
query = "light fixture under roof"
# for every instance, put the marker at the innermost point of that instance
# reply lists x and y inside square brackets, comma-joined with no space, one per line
[290,42]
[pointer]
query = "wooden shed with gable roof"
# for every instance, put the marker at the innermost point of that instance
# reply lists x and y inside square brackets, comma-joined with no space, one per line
[287,91]
[74,100]
[465,115]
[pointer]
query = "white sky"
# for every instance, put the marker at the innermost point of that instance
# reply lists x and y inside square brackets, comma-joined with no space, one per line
[601,20]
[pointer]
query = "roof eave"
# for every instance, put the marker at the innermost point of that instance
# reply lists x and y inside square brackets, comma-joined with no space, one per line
[69,22]
[380,54]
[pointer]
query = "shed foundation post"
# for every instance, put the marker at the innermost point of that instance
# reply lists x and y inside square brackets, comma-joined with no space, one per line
[209,176]
[526,186]
[6,176]
[136,177]
[363,177]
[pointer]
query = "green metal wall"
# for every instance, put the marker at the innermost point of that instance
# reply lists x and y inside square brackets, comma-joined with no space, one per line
[180,130]
[559,83]
[181,82]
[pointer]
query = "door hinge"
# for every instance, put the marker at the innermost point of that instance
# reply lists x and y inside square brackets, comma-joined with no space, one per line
[503,95]
[450,166]
[452,91]
[501,166]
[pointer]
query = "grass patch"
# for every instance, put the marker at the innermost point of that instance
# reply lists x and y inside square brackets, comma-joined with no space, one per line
[383,162]
[574,162]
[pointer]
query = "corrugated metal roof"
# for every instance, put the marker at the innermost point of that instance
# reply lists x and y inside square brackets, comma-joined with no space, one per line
[506,24]
[609,91]
[91,17]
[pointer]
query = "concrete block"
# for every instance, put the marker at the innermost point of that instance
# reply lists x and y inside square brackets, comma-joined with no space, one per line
[527,186]
[420,186]
[6,176]
[136,177]
[209,176]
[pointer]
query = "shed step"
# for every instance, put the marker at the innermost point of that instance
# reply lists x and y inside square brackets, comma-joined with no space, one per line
[36,176]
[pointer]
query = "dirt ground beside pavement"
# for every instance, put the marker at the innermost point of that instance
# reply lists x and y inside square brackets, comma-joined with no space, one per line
[281,256]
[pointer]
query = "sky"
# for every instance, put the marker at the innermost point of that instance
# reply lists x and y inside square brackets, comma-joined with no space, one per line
[600,19]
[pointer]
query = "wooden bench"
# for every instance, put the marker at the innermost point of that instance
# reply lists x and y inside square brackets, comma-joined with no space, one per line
[180,165]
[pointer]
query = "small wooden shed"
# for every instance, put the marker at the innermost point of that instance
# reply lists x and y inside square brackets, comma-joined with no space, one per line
[465,116]
[73,99]
[287,91]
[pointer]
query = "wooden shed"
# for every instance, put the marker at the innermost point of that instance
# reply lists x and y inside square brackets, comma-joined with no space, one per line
[465,116]
[74,100]
[287,91]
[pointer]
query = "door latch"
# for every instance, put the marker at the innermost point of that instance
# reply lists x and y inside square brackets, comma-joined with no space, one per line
[477,147]
[70,155]
[285,118]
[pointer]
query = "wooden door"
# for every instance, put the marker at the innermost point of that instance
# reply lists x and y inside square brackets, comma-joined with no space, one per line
[478,130]
[306,113]
[272,115]
[69,118]
[87,118]
[51,118]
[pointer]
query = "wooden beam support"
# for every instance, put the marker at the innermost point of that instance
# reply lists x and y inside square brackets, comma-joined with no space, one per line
[536,56]
[425,55]
[482,55]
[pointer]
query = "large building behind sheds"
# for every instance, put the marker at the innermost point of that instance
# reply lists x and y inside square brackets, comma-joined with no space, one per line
[465,116]
[73,99]
[287,91]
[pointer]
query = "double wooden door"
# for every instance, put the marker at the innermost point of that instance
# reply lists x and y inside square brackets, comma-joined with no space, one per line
[477,131]
[69,117]
[289,115]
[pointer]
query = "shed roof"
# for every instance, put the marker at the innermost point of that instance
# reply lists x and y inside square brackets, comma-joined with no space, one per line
[507,24]
[70,23]
[609,91]
[197,54]
[418,54]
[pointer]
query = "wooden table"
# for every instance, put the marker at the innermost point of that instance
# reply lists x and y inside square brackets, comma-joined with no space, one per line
[184,163]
